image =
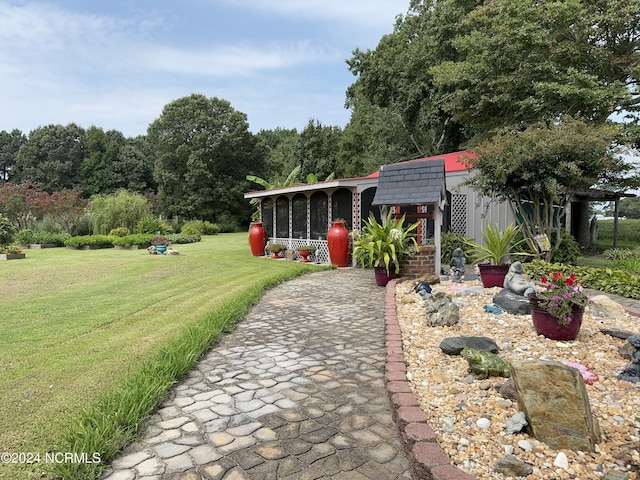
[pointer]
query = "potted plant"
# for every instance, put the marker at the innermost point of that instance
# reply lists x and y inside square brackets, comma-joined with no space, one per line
[557,309]
[382,246]
[161,244]
[305,251]
[275,249]
[494,254]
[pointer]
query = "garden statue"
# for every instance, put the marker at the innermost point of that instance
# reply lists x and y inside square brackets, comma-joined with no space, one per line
[457,265]
[515,281]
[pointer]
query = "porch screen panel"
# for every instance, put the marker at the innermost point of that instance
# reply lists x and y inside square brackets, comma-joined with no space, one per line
[319,218]
[299,220]
[282,217]
[366,208]
[267,216]
[342,206]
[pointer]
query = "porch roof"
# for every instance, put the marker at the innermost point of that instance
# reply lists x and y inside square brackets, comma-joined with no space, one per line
[310,187]
[411,183]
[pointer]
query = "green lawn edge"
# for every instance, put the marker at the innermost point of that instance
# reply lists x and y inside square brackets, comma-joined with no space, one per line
[116,419]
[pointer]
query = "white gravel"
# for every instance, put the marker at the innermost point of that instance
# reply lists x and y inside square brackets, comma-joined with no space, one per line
[475,436]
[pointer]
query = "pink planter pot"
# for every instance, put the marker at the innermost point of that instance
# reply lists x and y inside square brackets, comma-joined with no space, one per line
[382,277]
[493,275]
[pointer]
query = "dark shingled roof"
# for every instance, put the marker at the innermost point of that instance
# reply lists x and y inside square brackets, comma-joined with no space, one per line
[411,183]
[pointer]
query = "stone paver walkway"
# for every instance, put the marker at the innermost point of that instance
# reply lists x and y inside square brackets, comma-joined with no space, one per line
[296,391]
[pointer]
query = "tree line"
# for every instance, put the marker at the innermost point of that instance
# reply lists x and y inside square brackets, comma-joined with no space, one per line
[545,93]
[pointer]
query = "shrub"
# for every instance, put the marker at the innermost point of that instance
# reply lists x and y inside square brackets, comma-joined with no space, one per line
[139,239]
[6,229]
[568,252]
[28,237]
[151,224]
[203,227]
[96,241]
[120,232]
[122,209]
[448,243]
[178,238]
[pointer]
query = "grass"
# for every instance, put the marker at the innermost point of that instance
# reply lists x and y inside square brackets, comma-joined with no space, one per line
[91,340]
[628,233]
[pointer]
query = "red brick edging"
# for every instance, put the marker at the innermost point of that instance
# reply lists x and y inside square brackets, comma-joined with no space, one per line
[427,460]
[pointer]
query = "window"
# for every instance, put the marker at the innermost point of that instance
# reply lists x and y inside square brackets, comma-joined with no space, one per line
[319,215]
[299,216]
[282,217]
[342,206]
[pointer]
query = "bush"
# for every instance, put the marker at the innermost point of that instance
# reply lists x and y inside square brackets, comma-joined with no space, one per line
[28,237]
[182,238]
[6,229]
[568,252]
[151,224]
[95,241]
[139,239]
[228,224]
[203,227]
[120,232]
[448,243]
[122,209]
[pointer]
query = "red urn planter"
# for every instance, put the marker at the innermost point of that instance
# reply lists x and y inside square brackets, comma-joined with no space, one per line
[548,326]
[493,275]
[257,239]
[382,277]
[338,243]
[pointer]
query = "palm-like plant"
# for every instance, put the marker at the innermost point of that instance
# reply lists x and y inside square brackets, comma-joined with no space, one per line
[498,246]
[384,244]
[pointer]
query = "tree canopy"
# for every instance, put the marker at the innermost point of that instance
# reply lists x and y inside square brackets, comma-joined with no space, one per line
[203,150]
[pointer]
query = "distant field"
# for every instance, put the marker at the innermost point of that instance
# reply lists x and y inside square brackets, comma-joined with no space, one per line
[75,323]
[628,233]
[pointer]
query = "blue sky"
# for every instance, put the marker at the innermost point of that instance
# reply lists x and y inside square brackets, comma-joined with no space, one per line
[116,63]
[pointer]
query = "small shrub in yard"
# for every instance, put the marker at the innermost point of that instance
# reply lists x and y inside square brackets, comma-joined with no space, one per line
[178,238]
[95,241]
[28,237]
[120,232]
[448,243]
[203,227]
[150,224]
[139,239]
[568,252]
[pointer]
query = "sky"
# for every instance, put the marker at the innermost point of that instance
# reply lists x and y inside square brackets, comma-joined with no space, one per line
[116,63]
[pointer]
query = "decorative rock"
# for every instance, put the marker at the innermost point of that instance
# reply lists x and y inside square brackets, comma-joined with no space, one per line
[589,377]
[555,402]
[512,303]
[441,311]
[483,423]
[516,423]
[561,461]
[472,291]
[511,466]
[484,385]
[616,476]
[430,279]
[634,340]
[602,306]
[507,390]
[454,345]
[631,373]
[525,445]
[617,332]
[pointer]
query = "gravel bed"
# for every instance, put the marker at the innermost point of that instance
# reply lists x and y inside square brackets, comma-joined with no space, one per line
[454,406]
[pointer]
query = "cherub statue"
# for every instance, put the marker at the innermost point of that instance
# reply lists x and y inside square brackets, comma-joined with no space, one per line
[457,265]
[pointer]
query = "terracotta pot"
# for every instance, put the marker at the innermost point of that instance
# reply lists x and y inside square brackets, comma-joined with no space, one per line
[305,255]
[338,242]
[382,277]
[493,275]
[548,326]
[257,239]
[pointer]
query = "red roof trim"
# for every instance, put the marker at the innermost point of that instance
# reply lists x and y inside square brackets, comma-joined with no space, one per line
[453,162]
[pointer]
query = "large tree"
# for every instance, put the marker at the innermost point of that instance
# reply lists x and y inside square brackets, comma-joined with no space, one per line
[203,151]
[52,157]
[396,78]
[10,144]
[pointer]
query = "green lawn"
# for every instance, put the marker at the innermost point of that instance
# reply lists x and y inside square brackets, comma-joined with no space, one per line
[76,324]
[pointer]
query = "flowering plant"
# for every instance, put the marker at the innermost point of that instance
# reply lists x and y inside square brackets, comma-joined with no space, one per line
[10,249]
[159,241]
[562,294]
